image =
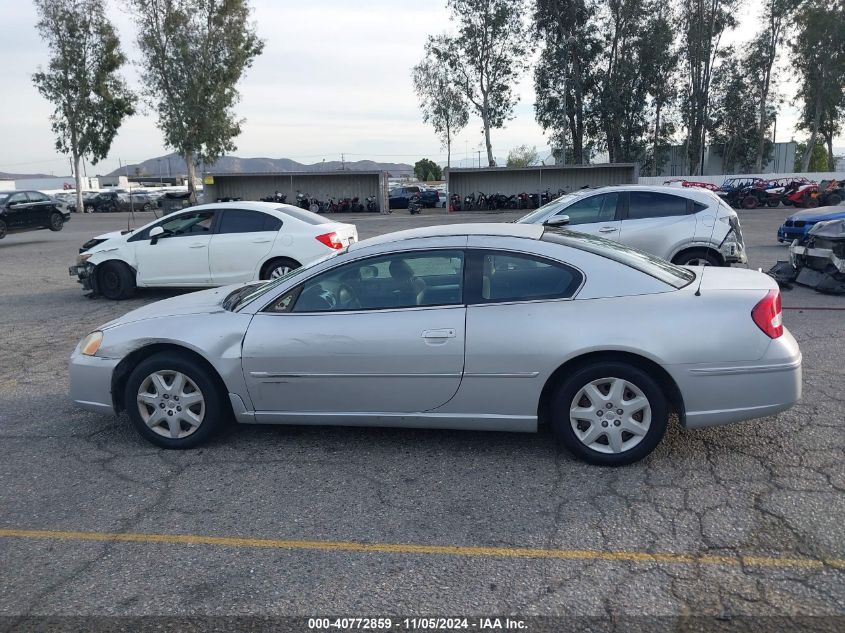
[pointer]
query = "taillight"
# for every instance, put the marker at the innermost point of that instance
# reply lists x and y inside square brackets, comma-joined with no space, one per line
[768,316]
[331,240]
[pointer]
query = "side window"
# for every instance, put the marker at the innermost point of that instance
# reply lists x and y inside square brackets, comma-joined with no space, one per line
[17,198]
[600,208]
[520,277]
[244,221]
[37,196]
[193,223]
[400,280]
[647,204]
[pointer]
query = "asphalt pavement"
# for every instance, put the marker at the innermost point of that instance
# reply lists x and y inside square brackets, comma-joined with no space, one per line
[743,520]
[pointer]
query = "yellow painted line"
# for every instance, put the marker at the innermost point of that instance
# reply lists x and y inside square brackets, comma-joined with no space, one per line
[411,548]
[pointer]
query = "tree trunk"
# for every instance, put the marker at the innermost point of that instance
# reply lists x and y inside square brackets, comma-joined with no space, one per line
[656,138]
[80,206]
[811,144]
[761,140]
[490,161]
[831,160]
[192,174]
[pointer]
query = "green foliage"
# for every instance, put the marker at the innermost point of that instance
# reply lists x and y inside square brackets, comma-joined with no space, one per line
[703,22]
[818,56]
[564,77]
[89,97]
[195,52]
[523,156]
[818,158]
[733,125]
[486,56]
[425,169]
[442,104]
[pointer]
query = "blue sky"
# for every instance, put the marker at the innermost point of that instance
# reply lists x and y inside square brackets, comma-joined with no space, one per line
[334,78]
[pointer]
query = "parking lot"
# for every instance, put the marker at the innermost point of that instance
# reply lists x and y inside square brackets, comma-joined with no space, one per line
[743,520]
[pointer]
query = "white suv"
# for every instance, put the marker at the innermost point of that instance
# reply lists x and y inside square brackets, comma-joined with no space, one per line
[209,245]
[687,226]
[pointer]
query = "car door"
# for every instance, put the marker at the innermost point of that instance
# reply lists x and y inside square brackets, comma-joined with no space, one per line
[511,299]
[658,223]
[40,208]
[595,215]
[379,335]
[180,256]
[241,242]
[18,211]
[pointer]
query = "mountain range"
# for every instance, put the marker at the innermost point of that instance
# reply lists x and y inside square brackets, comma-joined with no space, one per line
[172,164]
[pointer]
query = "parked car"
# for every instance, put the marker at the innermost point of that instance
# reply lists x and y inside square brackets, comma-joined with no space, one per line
[674,223]
[401,197]
[112,201]
[406,329]
[798,224]
[208,245]
[29,211]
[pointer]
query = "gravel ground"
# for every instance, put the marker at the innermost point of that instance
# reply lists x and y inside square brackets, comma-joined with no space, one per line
[770,488]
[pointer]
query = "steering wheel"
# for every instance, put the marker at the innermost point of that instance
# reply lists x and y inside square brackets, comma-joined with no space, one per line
[346,297]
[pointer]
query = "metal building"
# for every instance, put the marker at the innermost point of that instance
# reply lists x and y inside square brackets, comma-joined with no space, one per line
[516,180]
[319,185]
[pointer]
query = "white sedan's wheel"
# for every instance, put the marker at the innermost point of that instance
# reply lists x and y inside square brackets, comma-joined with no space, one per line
[610,415]
[171,404]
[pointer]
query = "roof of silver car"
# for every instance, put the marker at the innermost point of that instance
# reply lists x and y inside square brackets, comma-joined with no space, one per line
[507,229]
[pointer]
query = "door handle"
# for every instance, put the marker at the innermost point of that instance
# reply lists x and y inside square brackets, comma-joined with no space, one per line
[443,333]
[608,229]
[261,241]
[197,245]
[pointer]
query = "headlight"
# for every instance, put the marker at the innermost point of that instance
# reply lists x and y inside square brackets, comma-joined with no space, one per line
[91,343]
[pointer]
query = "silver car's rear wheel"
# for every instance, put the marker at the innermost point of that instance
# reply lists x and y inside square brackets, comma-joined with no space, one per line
[171,404]
[610,415]
[610,412]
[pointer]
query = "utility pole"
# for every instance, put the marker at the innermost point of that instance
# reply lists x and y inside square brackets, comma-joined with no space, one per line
[342,163]
[479,159]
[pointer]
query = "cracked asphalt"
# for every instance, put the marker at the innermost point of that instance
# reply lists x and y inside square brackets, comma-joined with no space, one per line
[768,488]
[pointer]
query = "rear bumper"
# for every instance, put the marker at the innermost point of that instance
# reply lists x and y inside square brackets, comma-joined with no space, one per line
[732,392]
[90,382]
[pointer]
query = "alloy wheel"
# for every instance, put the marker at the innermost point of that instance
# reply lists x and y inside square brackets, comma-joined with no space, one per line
[280,270]
[610,415]
[171,404]
[56,222]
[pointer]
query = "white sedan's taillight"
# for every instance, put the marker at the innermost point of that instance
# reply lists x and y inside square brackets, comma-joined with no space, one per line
[332,240]
[768,315]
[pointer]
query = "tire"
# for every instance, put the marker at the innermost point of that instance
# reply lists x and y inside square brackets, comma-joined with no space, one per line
[786,202]
[773,203]
[115,280]
[833,199]
[4,229]
[612,438]
[277,267]
[156,392]
[750,202]
[88,209]
[57,222]
[696,257]
[148,207]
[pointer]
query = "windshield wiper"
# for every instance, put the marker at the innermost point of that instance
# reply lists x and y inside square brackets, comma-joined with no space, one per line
[233,299]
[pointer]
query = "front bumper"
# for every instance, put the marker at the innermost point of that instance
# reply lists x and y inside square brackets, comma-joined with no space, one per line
[734,253]
[84,274]
[90,382]
[787,234]
[716,394]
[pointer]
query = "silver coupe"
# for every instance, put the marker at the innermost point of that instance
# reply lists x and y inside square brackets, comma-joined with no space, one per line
[477,326]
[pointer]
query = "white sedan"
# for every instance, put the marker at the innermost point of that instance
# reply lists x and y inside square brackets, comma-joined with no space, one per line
[209,245]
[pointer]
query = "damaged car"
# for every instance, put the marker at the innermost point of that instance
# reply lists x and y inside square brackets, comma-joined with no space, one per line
[817,260]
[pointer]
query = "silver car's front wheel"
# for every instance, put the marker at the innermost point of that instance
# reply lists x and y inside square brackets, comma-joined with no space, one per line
[611,412]
[175,400]
[171,404]
[610,415]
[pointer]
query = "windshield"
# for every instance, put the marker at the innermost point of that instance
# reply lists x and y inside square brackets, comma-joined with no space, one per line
[3,197]
[539,213]
[647,263]
[249,293]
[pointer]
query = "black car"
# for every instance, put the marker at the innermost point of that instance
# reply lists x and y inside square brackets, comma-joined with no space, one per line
[29,211]
[400,198]
[111,201]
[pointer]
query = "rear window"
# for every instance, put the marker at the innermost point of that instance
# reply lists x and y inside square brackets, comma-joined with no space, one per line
[303,215]
[646,263]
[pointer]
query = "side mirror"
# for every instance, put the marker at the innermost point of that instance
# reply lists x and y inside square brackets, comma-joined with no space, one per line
[155,233]
[558,220]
